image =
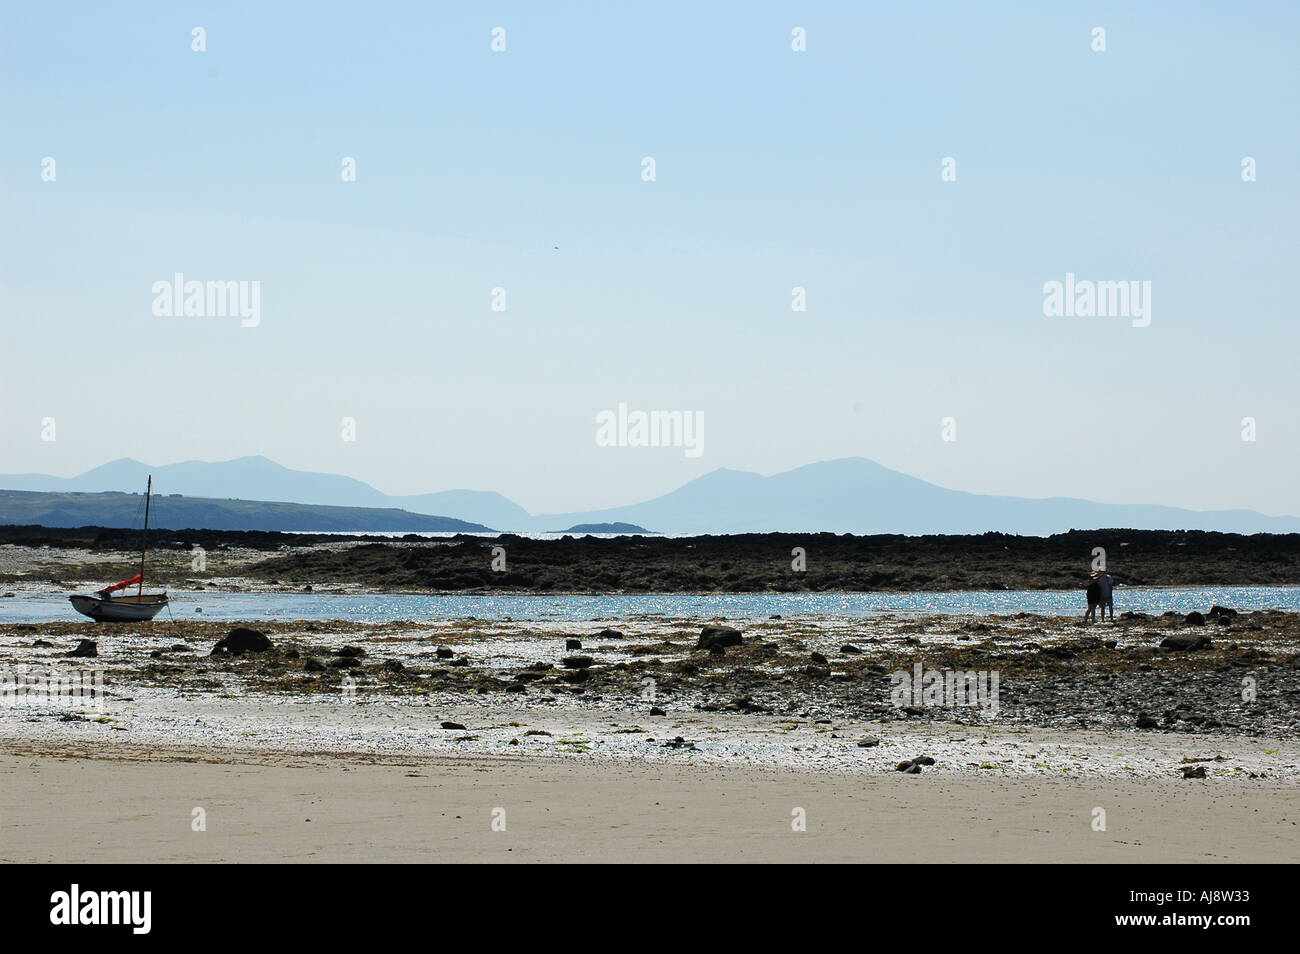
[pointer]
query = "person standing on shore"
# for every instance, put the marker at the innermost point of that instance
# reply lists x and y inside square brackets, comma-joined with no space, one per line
[1094,596]
[1106,584]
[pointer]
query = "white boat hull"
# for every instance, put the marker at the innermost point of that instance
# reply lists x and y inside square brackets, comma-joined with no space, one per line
[126,609]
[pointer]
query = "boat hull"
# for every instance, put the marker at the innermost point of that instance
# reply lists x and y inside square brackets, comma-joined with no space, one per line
[127,609]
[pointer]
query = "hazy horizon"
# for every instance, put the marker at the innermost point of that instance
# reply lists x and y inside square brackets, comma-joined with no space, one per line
[774,169]
[162,487]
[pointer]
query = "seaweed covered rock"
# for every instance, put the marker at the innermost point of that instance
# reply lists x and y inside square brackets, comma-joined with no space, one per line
[241,640]
[715,636]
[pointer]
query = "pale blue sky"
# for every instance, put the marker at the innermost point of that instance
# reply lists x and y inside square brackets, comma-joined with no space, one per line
[775,169]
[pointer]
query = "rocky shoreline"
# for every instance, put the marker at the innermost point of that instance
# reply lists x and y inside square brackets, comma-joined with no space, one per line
[1223,679]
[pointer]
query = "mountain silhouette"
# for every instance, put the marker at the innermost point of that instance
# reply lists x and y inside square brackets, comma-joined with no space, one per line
[850,495]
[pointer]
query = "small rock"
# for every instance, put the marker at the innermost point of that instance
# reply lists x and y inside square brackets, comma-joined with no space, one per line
[1193,771]
[42,644]
[314,665]
[1194,619]
[818,658]
[868,742]
[711,636]
[848,649]
[86,648]
[656,711]
[442,652]
[1146,722]
[609,634]
[577,662]
[1176,642]
[572,643]
[241,640]
[452,725]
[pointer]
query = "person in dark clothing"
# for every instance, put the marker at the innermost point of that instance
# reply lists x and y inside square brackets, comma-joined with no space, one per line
[1094,596]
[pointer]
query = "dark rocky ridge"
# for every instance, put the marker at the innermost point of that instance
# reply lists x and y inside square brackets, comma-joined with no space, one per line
[732,563]
[762,562]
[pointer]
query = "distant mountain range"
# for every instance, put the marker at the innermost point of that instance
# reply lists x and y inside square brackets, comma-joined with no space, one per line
[117,509]
[852,495]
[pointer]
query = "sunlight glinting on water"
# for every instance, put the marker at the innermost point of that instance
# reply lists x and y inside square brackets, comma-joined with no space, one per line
[383,607]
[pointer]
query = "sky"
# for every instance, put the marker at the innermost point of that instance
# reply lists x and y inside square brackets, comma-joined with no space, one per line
[524,169]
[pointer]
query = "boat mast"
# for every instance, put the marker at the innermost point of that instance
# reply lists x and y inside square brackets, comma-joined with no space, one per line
[144,541]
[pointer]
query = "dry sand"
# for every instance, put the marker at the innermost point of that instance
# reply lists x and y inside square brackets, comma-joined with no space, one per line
[132,804]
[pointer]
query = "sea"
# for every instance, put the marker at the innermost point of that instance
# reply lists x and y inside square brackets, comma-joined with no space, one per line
[386,607]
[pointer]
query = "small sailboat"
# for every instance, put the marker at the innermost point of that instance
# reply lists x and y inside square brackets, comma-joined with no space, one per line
[103,607]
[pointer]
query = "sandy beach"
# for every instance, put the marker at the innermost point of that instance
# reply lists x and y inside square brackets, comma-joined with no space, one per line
[400,740]
[129,803]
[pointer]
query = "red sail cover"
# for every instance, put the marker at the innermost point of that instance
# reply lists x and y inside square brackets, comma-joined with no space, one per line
[123,585]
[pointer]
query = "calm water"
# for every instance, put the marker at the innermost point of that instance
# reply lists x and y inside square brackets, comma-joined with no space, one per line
[383,607]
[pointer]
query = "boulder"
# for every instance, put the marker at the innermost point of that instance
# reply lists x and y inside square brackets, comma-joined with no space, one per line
[1181,642]
[572,643]
[1194,619]
[1226,612]
[913,766]
[241,640]
[711,636]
